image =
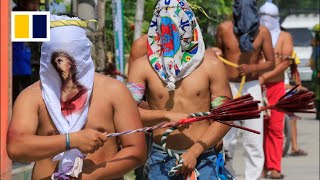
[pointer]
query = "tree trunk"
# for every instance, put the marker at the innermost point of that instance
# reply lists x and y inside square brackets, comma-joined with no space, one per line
[100,47]
[74,7]
[139,19]
[86,10]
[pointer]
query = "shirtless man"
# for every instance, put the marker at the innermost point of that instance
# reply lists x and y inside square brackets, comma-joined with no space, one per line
[66,114]
[242,45]
[274,82]
[173,91]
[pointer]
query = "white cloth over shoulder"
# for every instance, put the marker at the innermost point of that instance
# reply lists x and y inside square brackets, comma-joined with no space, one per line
[71,40]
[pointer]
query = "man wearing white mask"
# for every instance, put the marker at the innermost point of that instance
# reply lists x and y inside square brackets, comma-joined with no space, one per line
[61,121]
[274,82]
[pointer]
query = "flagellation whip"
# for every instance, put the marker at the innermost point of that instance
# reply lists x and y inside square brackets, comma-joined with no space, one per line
[241,108]
[285,103]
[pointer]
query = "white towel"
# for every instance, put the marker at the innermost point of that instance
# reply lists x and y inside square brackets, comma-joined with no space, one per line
[175,42]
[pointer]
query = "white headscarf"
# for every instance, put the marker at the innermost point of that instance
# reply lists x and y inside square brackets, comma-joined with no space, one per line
[269,17]
[73,41]
[175,43]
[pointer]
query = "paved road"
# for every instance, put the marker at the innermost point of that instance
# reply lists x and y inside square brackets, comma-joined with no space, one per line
[294,168]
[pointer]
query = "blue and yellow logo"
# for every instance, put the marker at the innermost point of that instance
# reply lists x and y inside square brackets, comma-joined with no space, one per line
[30,26]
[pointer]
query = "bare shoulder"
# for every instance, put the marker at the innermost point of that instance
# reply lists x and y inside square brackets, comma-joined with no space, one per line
[225,25]
[141,42]
[142,61]
[32,92]
[263,30]
[141,65]
[211,62]
[285,35]
[32,95]
[108,84]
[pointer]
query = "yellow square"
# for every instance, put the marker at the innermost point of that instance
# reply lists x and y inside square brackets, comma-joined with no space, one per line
[21,28]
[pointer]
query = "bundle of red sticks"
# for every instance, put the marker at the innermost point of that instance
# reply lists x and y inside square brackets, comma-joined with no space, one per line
[245,107]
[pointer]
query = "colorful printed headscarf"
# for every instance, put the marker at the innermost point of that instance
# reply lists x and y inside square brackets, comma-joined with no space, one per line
[246,23]
[175,43]
[269,17]
[69,46]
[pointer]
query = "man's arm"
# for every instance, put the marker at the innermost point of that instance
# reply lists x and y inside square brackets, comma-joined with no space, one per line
[25,145]
[219,86]
[219,38]
[287,49]
[268,52]
[138,75]
[133,146]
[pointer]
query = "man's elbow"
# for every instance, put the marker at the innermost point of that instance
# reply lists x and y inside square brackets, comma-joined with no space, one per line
[271,66]
[142,155]
[140,152]
[15,151]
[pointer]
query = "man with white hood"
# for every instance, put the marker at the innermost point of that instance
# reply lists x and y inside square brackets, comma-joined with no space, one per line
[61,121]
[274,82]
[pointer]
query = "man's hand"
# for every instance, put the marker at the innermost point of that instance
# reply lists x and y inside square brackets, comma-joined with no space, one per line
[261,80]
[174,116]
[246,69]
[302,88]
[189,163]
[87,140]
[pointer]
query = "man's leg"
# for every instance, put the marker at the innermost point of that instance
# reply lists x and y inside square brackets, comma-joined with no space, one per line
[274,136]
[253,143]
[210,167]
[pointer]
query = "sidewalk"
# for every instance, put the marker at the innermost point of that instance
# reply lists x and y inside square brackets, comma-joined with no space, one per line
[294,168]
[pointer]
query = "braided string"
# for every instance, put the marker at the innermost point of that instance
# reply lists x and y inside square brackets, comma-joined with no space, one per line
[164,137]
[75,22]
[214,103]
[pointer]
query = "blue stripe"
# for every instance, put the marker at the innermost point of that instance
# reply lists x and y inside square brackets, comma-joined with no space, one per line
[39,26]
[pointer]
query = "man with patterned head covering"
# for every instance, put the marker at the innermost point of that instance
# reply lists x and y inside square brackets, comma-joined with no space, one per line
[61,121]
[179,77]
[242,41]
[274,82]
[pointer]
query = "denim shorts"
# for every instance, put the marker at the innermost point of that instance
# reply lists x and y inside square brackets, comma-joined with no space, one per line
[159,164]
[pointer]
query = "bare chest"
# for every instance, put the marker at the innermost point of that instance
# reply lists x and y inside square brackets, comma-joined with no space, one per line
[193,88]
[233,53]
[100,117]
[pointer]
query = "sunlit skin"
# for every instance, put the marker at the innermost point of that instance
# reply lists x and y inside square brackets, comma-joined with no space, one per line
[192,94]
[32,135]
[284,48]
[248,62]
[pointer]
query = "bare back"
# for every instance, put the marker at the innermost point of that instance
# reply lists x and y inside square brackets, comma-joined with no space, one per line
[283,48]
[229,43]
[100,118]
[192,94]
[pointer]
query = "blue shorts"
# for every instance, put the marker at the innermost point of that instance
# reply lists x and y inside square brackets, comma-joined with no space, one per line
[159,164]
